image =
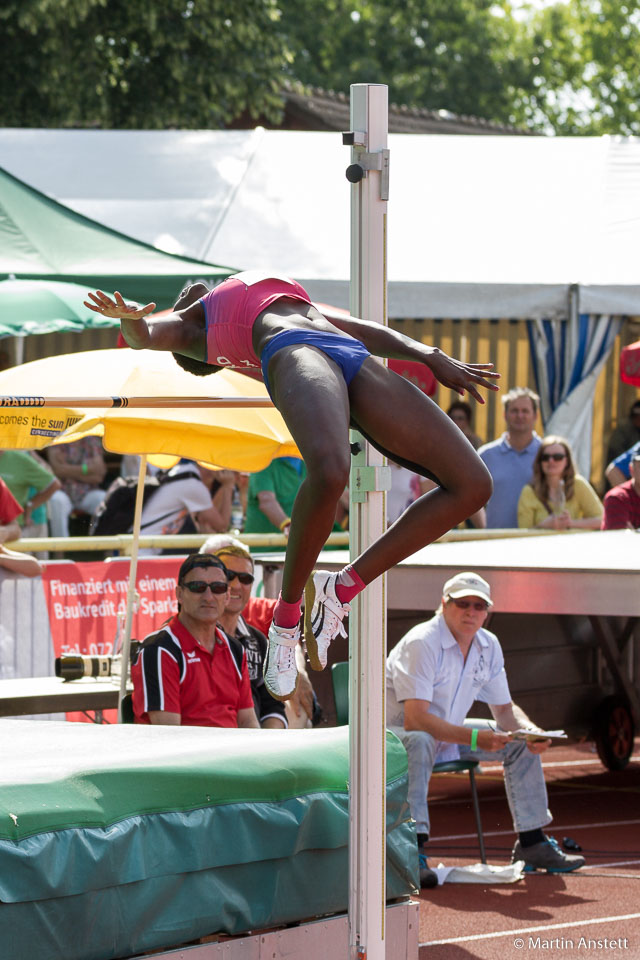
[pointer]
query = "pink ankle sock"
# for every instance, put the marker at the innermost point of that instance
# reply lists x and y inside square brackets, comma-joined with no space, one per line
[286,614]
[348,585]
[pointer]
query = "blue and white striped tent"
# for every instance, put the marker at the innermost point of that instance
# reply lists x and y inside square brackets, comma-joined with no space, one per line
[567,357]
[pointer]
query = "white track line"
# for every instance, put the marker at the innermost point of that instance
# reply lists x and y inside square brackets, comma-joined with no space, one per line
[518,931]
[614,863]
[552,826]
[558,763]
[559,790]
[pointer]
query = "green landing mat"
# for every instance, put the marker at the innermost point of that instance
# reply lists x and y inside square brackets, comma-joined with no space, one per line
[120,839]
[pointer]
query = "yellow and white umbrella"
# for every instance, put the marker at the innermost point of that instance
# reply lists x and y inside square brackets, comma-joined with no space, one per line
[225,419]
[245,438]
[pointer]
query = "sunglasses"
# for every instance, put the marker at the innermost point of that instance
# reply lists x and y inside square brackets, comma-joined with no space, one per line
[245,578]
[554,456]
[200,586]
[474,604]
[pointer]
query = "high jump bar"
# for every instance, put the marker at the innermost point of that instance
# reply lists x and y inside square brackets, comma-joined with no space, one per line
[135,402]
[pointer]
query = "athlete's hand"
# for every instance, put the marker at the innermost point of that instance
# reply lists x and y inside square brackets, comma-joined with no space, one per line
[460,376]
[117,309]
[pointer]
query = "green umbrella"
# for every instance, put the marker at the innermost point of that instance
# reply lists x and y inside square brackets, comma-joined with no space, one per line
[41,239]
[45,306]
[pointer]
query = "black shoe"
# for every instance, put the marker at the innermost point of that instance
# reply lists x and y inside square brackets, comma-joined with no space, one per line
[546,856]
[428,877]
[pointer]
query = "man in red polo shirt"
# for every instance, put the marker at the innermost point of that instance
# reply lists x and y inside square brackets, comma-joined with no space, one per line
[190,672]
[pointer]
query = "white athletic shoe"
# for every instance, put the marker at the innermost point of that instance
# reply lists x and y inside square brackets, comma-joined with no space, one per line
[280,668]
[323,616]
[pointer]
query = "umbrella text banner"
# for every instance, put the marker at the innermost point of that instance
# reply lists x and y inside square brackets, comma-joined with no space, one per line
[142,402]
[23,429]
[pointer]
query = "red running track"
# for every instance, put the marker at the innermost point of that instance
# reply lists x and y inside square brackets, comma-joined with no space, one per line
[594,912]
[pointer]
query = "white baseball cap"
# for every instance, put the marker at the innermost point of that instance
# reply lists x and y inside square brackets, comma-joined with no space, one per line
[467,584]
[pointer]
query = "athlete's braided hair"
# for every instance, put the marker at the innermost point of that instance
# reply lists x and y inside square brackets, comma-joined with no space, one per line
[188,296]
[198,367]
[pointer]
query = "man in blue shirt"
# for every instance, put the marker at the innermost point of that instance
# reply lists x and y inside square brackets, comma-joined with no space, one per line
[510,458]
[619,470]
[434,675]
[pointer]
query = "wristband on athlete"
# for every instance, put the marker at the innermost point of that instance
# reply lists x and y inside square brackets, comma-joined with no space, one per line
[474,739]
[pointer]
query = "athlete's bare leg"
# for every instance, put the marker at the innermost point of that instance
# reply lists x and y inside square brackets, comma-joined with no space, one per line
[310,393]
[404,421]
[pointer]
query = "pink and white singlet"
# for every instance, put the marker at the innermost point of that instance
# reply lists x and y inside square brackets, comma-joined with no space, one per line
[230,311]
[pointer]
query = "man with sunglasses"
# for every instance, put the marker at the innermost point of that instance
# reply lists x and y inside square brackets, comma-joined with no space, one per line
[247,619]
[271,713]
[190,673]
[434,675]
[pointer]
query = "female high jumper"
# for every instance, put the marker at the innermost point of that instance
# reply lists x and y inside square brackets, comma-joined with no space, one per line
[320,373]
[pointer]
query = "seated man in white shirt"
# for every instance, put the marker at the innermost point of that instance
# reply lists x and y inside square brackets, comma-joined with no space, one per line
[434,675]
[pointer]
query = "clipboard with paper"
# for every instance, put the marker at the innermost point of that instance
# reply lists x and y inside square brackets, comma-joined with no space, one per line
[532,735]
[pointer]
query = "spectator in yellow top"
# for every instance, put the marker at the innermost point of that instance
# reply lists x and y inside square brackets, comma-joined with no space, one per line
[558,498]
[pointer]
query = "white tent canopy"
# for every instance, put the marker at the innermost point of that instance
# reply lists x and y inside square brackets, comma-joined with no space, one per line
[478,226]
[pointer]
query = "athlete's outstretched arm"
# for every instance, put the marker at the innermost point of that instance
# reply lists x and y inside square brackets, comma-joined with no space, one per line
[179,332]
[381,341]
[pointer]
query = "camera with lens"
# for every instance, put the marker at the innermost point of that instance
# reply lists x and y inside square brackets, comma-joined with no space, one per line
[74,666]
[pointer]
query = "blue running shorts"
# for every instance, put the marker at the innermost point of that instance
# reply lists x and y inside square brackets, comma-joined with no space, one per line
[347,352]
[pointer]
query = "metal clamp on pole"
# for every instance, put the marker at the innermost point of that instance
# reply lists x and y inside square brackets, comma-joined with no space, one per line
[365,161]
[366,478]
[369,480]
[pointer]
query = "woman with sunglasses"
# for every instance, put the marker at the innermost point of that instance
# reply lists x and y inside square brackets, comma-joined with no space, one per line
[558,498]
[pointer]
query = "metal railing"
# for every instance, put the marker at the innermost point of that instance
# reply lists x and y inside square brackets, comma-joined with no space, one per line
[122,543]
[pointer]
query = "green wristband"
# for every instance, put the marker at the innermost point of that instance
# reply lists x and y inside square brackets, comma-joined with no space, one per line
[85,469]
[474,739]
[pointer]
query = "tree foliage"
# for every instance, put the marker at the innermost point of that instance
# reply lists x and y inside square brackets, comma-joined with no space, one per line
[458,55]
[585,54]
[570,67]
[143,64]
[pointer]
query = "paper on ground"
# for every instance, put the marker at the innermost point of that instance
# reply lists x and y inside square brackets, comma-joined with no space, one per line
[480,873]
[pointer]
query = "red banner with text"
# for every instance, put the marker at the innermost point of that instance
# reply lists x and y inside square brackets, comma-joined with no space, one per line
[87,602]
[87,605]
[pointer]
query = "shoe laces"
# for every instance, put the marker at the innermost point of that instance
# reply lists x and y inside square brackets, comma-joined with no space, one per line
[284,657]
[336,612]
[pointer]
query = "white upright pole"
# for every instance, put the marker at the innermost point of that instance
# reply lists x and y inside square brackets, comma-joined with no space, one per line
[131,591]
[368,172]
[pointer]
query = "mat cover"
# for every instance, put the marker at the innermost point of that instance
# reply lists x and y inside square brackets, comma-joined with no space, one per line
[119,839]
